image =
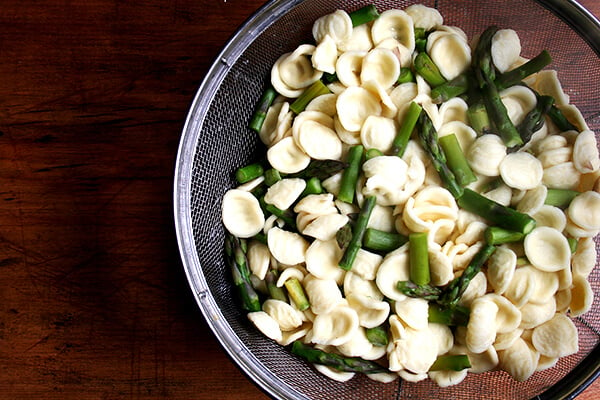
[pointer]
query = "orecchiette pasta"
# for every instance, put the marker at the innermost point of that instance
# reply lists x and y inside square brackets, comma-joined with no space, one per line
[297,227]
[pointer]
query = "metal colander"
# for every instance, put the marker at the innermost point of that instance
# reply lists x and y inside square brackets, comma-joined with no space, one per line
[216,141]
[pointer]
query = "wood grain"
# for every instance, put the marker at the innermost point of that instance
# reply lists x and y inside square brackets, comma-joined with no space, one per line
[94,303]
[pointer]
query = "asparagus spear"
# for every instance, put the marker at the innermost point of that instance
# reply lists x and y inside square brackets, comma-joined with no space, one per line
[485,73]
[516,75]
[405,76]
[350,175]
[343,236]
[450,316]
[429,140]
[249,172]
[275,292]
[315,90]
[425,67]
[452,88]
[418,258]
[495,235]
[377,336]
[456,160]
[297,294]
[364,15]
[347,364]
[497,214]
[559,119]
[535,118]
[406,129]
[272,176]
[425,291]
[560,197]
[358,233]
[321,169]
[382,241]
[449,362]
[457,287]
[479,118]
[372,153]
[260,111]
[313,186]
[235,250]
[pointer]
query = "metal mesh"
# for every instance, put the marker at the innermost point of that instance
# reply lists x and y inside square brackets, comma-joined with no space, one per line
[224,143]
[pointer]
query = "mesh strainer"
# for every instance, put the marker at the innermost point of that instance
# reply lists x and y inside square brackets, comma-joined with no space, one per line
[216,141]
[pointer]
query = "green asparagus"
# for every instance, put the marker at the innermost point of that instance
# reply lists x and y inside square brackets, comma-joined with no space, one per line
[449,362]
[260,112]
[364,15]
[321,169]
[275,292]
[249,172]
[450,316]
[516,75]
[381,241]
[534,119]
[358,233]
[495,235]
[560,198]
[429,140]
[315,90]
[456,160]
[406,129]
[297,294]
[496,213]
[350,174]
[425,67]
[235,251]
[377,336]
[452,88]
[418,258]
[560,120]
[425,291]
[340,363]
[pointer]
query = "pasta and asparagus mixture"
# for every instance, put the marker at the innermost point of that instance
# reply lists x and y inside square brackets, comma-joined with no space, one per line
[427,205]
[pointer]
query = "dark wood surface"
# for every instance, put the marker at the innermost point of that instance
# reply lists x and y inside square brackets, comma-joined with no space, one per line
[94,303]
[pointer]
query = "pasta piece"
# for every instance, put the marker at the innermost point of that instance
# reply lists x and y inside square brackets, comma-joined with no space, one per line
[556,338]
[290,337]
[545,363]
[289,273]
[533,200]
[563,300]
[335,327]
[293,72]
[582,296]
[317,204]
[508,317]
[357,346]
[324,103]
[501,268]
[393,269]
[546,285]
[285,156]
[388,108]
[259,258]
[521,287]
[382,66]
[547,83]
[382,218]
[332,373]
[506,49]
[430,204]
[241,213]
[371,312]
[450,53]
[277,123]
[378,133]
[325,227]
[447,378]
[455,110]
[519,101]
[505,340]
[325,55]
[481,328]
[282,194]
[337,25]
[354,284]
[533,314]
[464,133]
[424,17]
[314,133]
[323,294]
[360,40]
[550,216]
[416,350]
[585,152]
[485,155]
[366,264]
[395,24]
[322,258]
[413,312]
[547,249]
[481,362]
[402,95]
[584,259]
[354,105]
[444,337]
[287,247]
[584,210]
[440,267]
[383,377]
[265,324]
[411,377]
[348,67]
[386,176]
[287,317]
[521,171]
[520,360]
[561,176]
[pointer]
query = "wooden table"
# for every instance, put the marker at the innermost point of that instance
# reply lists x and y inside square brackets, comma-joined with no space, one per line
[94,303]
